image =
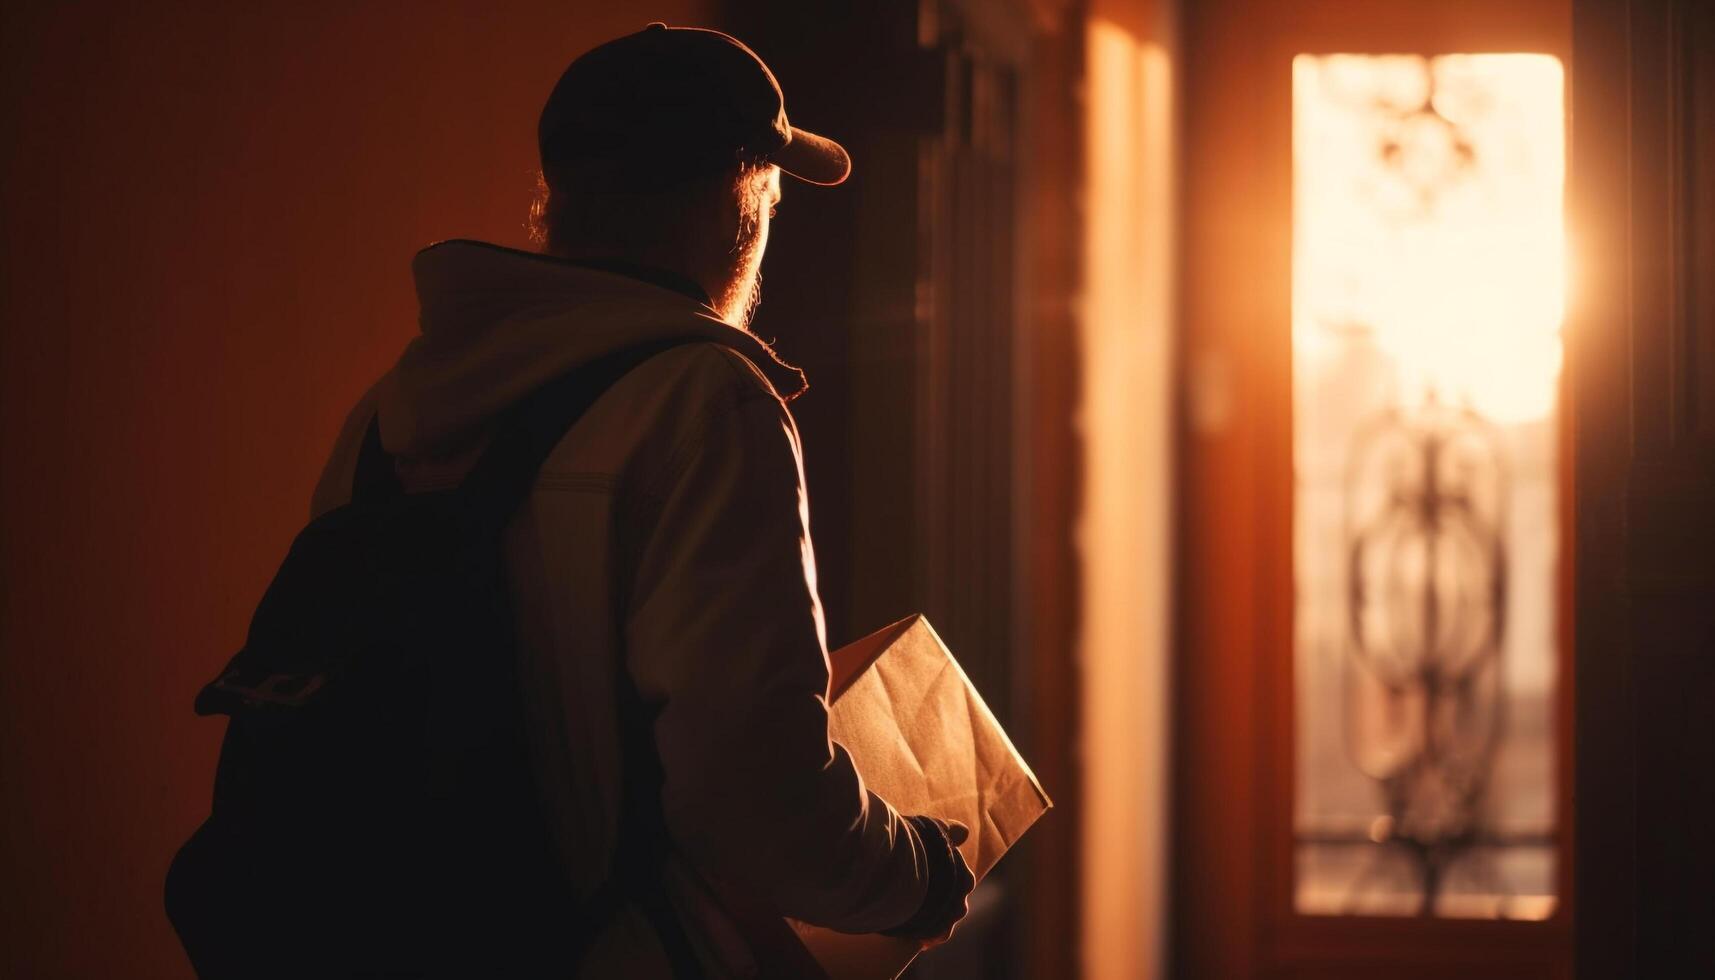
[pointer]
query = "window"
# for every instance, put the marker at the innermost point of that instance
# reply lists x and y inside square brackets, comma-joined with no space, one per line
[1428,281]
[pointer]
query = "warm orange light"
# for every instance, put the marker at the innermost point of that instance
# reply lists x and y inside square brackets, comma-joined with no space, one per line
[1428,215]
[1124,530]
[1429,273]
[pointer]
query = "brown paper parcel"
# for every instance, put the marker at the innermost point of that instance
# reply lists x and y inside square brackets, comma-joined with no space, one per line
[923,739]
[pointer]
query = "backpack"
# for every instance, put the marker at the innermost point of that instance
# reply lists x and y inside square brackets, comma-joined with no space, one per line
[374,810]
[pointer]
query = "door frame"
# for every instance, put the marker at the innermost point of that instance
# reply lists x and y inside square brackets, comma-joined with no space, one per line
[1234,737]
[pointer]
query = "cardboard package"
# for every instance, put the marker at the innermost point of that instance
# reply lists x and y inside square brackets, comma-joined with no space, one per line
[923,739]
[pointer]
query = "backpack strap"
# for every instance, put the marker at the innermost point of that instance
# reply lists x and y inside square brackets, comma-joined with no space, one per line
[374,480]
[529,431]
[524,436]
[492,491]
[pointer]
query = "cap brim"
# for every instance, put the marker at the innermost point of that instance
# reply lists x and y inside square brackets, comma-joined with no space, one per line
[813,159]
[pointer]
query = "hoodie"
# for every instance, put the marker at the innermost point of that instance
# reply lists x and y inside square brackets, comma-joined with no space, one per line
[667,536]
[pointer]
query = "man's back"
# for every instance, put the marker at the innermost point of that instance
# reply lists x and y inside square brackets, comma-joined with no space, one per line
[667,532]
[671,662]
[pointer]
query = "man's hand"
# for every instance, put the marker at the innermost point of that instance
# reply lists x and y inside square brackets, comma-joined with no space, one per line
[947,898]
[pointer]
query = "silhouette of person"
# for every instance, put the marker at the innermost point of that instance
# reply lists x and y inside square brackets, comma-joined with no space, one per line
[666,537]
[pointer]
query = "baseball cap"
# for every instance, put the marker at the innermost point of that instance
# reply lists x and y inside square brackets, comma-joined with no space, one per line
[669,103]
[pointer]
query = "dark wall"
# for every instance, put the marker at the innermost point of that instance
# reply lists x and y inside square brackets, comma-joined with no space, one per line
[209,210]
[1642,324]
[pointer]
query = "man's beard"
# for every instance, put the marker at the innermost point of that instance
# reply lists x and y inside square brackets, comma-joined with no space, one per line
[737,302]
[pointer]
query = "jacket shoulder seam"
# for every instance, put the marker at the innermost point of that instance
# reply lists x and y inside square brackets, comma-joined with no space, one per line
[679,458]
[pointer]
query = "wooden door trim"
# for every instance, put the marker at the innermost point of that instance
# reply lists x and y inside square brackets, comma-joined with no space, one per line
[1235,760]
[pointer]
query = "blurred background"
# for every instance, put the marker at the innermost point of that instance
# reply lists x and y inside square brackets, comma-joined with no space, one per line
[1298,417]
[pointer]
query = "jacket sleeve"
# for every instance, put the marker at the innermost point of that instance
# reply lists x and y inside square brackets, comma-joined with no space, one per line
[725,637]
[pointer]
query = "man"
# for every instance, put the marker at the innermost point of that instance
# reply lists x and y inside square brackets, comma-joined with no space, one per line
[666,536]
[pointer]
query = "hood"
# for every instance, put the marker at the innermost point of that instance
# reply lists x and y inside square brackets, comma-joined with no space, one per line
[497,323]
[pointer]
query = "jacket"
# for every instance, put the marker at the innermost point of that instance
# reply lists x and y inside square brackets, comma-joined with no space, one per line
[667,535]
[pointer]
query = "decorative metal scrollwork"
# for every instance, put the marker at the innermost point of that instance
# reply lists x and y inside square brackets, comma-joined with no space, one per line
[1427,579]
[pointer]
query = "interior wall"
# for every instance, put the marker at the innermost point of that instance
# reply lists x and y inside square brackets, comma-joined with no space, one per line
[1124,536]
[210,210]
[1642,394]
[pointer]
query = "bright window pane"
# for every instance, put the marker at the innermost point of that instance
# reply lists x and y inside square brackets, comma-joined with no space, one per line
[1428,284]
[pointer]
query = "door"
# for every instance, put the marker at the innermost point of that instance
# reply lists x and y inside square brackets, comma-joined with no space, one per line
[1373,763]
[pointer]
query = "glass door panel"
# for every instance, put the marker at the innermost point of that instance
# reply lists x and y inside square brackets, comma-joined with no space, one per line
[1427,296]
